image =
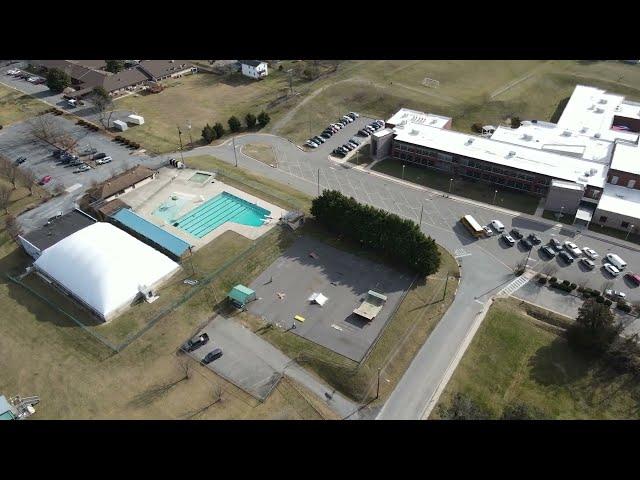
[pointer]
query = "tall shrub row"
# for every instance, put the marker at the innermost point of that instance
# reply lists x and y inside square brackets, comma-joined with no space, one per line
[396,238]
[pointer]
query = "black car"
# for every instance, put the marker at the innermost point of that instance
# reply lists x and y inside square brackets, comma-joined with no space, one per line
[566,256]
[352,143]
[363,133]
[555,243]
[194,343]
[57,152]
[20,160]
[318,139]
[326,136]
[99,155]
[548,251]
[348,147]
[339,153]
[515,233]
[534,239]
[212,355]
[526,244]
[351,115]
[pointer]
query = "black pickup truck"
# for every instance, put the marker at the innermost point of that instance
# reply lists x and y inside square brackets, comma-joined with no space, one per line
[195,343]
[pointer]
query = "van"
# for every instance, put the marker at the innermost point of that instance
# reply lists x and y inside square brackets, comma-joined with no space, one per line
[497,225]
[616,261]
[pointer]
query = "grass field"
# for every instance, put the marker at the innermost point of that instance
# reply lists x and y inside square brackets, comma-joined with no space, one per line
[261,152]
[514,358]
[520,202]
[16,106]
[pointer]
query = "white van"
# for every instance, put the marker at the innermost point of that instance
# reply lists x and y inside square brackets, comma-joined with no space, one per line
[497,225]
[616,261]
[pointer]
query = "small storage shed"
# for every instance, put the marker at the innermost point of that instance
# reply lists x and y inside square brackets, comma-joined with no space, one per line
[241,295]
[120,125]
[135,119]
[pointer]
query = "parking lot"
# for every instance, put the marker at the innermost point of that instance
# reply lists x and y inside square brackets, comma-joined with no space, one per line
[340,137]
[310,266]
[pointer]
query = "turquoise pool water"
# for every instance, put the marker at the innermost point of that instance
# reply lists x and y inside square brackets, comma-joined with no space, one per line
[218,210]
[170,209]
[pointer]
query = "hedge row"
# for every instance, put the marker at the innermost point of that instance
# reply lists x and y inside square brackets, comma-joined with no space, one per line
[89,125]
[126,141]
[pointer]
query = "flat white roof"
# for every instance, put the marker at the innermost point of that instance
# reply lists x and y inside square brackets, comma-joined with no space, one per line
[104,266]
[405,116]
[566,185]
[515,156]
[590,112]
[622,200]
[383,132]
[626,158]
[550,137]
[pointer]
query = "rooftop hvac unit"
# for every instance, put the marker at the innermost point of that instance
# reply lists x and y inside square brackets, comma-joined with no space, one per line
[469,141]
[511,154]
[583,130]
[583,179]
[593,171]
[566,133]
[527,137]
[413,132]
[597,135]
[603,101]
[599,110]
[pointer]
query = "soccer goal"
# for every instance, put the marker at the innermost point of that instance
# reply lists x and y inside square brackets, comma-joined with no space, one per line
[430,82]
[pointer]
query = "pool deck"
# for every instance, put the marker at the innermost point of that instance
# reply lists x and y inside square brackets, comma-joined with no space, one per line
[170,181]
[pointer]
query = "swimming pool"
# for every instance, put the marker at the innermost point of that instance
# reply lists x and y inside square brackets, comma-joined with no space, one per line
[170,209]
[218,210]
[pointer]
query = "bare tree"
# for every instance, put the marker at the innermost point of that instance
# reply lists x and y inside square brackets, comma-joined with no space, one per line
[103,104]
[5,197]
[28,179]
[12,173]
[12,226]
[46,128]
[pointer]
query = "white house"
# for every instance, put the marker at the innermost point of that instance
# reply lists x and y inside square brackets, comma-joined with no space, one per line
[254,68]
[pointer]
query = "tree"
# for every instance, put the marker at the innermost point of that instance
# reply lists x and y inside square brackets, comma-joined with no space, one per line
[114,66]
[12,172]
[219,129]
[103,104]
[234,123]
[57,80]
[595,328]
[5,197]
[250,119]
[209,134]
[521,411]
[12,226]
[29,179]
[263,119]
[463,407]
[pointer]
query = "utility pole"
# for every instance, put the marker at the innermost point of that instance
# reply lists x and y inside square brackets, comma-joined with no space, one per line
[421,210]
[318,182]
[450,184]
[378,388]
[494,196]
[180,138]
[190,137]
[629,231]
[233,139]
[403,171]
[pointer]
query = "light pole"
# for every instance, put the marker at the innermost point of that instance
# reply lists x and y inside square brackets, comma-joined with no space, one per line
[378,388]
[629,231]
[190,137]
[494,196]
[421,210]
[235,155]
[403,171]
[560,214]
[180,138]
[450,184]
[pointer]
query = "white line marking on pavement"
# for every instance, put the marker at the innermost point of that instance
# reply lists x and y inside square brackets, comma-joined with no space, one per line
[333,325]
[516,284]
[73,187]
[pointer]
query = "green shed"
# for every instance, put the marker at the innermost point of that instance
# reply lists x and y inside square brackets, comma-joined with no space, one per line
[241,295]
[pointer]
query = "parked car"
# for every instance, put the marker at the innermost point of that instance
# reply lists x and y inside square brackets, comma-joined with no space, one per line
[102,161]
[32,79]
[20,160]
[311,143]
[497,225]
[353,144]
[195,343]
[13,71]
[356,141]
[515,233]
[212,355]
[353,114]
[587,263]
[82,168]
[99,155]
[534,239]
[487,231]
[318,139]
[615,294]
[633,278]
[89,150]
[57,153]
[590,253]
[548,251]
[40,81]
[612,269]
[508,239]
[339,153]
[565,256]
[44,180]
[572,248]
[364,133]
[325,135]
[614,259]
[348,147]
[555,243]
[526,244]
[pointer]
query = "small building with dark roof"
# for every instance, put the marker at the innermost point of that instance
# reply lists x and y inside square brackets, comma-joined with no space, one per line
[158,70]
[56,229]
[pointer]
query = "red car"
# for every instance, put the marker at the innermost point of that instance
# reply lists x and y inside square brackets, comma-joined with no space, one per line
[633,277]
[46,179]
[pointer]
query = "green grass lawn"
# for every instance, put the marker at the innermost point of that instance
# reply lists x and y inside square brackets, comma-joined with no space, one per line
[512,200]
[515,359]
[16,106]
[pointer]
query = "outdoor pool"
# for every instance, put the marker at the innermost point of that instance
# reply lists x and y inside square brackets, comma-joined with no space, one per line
[170,209]
[218,210]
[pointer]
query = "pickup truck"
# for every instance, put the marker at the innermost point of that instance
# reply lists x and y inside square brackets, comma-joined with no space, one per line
[195,343]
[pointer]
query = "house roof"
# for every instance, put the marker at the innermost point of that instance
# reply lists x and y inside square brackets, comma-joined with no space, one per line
[121,182]
[113,206]
[58,229]
[123,79]
[251,63]
[621,200]
[160,68]
[96,64]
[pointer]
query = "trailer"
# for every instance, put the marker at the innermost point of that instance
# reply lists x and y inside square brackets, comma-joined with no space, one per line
[135,119]
[371,306]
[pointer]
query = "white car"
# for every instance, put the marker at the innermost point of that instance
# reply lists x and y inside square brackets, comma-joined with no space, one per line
[611,269]
[311,144]
[32,79]
[509,239]
[497,225]
[615,294]
[587,263]
[13,71]
[590,253]
[487,231]
[82,168]
[104,160]
[354,114]
[572,248]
